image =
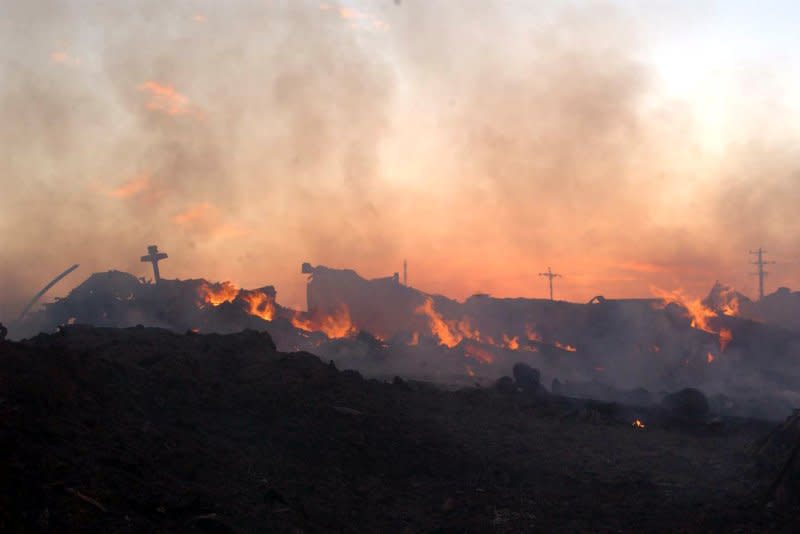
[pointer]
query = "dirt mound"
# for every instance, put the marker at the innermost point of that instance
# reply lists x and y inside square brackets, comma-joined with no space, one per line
[145,430]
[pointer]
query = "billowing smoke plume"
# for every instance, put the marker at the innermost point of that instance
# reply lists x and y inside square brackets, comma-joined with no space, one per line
[481,140]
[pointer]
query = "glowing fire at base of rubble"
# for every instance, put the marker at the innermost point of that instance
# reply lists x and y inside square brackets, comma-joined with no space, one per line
[477,353]
[511,343]
[567,347]
[725,337]
[414,339]
[335,325]
[695,309]
[638,424]
[216,294]
[709,358]
[261,305]
[438,326]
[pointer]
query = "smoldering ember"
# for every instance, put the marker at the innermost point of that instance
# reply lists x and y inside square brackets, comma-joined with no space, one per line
[194,405]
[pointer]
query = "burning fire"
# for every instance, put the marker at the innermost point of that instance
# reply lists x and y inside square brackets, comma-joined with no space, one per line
[261,304]
[414,339]
[731,308]
[335,325]
[511,343]
[451,333]
[730,302]
[709,358]
[725,337]
[216,294]
[469,370]
[478,353]
[438,326]
[638,424]
[568,348]
[698,313]
[532,334]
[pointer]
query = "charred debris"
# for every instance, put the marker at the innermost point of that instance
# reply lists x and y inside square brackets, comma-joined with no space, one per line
[739,352]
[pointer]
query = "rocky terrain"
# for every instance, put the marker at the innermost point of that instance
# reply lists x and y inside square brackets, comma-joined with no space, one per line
[146,430]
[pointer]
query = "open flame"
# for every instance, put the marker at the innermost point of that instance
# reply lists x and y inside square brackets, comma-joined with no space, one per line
[709,358]
[567,347]
[478,353]
[511,343]
[731,308]
[438,325]
[532,334]
[729,302]
[638,424]
[216,294]
[725,337]
[260,304]
[334,325]
[697,312]
[414,339]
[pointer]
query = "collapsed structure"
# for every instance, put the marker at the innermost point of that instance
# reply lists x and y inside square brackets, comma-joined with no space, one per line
[742,352]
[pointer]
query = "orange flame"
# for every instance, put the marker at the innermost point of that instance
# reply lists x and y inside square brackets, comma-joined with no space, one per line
[463,327]
[568,348]
[438,326]
[709,358]
[478,353]
[164,98]
[216,294]
[532,334]
[132,187]
[511,343]
[335,325]
[469,370]
[725,337]
[730,304]
[638,424]
[698,313]
[414,339]
[261,304]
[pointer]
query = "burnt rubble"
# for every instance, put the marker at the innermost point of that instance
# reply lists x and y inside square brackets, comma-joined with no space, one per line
[632,351]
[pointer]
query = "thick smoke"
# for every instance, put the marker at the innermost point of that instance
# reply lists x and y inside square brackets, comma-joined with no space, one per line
[480,140]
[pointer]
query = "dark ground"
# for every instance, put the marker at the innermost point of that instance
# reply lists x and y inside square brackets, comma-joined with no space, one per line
[142,430]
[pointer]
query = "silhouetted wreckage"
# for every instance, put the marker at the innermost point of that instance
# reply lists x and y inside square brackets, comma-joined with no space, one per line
[741,354]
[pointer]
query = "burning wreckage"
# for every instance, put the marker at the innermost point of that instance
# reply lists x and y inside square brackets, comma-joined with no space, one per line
[743,354]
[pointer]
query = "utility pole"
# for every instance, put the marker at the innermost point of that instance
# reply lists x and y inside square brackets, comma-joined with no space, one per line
[405,273]
[761,272]
[550,275]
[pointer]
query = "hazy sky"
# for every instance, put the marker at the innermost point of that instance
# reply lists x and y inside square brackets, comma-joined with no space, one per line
[625,144]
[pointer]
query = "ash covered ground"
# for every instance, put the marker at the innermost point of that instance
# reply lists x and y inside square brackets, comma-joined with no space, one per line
[146,430]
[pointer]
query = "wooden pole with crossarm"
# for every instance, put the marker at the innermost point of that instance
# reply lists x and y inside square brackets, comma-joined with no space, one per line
[550,275]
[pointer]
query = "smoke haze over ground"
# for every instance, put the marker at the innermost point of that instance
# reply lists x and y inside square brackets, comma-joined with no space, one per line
[481,140]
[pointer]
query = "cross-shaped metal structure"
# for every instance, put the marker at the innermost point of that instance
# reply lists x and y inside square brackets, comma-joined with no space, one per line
[550,274]
[154,256]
